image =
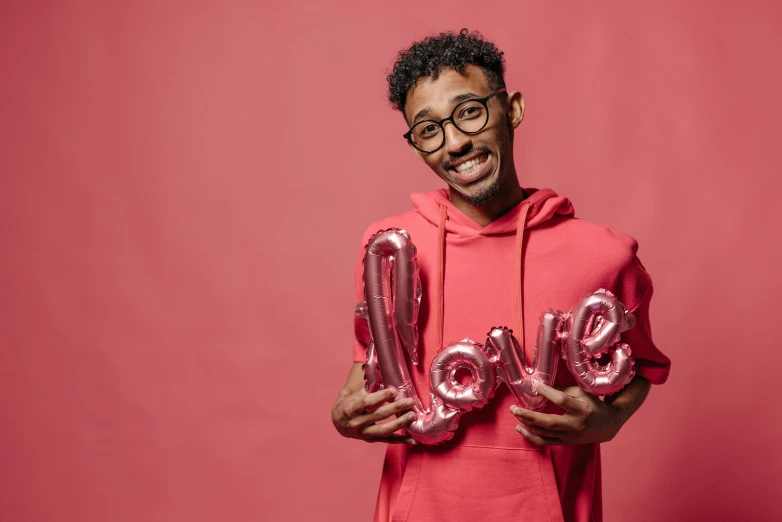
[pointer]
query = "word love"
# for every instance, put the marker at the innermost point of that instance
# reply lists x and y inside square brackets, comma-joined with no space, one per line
[392,290]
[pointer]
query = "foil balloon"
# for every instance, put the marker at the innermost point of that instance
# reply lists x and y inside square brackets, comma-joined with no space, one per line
[509,358]
[391,308]
[593,329]
[392,290]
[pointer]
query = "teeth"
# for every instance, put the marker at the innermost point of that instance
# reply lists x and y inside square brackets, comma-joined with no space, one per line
[468,166]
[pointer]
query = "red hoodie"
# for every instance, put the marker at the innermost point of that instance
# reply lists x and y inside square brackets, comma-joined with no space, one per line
[488,471]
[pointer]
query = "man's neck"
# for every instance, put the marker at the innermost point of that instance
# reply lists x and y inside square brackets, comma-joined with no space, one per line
[510,195]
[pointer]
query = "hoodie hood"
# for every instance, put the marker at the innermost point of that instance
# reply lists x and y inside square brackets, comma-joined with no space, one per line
[543,205]
[537,207]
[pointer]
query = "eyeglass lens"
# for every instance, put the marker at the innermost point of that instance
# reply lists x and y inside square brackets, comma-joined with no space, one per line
[469,116]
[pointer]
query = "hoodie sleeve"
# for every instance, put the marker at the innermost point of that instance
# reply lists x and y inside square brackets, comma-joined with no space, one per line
[636,294]
[360,326]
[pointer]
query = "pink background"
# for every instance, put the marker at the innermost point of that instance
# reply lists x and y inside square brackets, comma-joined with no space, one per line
[182,190]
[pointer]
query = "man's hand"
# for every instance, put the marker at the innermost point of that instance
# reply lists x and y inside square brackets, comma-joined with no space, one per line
[356,414]
[586,419]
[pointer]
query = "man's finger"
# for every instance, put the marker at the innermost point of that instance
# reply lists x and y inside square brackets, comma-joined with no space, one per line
[394,439]
[363,401]
[576,391]
[543,432]
[543,442]
[544,420]
[390,409]
[383,412]
[560,398]
[387,428]
[372,400]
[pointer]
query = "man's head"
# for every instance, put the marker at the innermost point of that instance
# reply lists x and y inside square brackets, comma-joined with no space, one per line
[434,79]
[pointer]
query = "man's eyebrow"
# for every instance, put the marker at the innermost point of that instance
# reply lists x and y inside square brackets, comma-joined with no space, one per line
[420,114]
[463,97]
[454,100]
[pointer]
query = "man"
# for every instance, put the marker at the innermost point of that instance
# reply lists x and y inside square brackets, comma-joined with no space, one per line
[493,253]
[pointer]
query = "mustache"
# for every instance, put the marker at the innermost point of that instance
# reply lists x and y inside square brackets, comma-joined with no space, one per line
[456,157]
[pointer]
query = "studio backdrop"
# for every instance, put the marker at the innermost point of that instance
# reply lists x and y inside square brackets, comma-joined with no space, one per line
[183,186]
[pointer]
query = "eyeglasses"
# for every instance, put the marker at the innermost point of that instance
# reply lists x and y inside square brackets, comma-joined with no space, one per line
[469,117]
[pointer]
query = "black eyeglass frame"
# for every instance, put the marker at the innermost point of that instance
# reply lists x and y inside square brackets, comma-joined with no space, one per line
[482,101]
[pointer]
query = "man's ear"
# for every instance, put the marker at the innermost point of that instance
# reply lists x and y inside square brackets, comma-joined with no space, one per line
[515,108]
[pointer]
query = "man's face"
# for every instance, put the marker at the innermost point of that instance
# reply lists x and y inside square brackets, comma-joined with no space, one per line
[490,150]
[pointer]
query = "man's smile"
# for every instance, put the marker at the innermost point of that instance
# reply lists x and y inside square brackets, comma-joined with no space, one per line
[471,167]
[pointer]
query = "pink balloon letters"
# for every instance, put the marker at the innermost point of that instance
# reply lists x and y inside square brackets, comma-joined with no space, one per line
[392,289]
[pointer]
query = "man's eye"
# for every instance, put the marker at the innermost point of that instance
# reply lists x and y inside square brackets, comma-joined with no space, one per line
[428,130]
[471,111]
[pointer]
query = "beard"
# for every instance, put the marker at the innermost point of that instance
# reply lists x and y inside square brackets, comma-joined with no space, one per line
[485,195]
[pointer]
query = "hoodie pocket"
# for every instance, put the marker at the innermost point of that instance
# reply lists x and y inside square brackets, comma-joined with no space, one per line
[469,483]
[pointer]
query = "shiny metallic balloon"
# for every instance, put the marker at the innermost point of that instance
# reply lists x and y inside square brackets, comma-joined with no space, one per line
[468,355]
[593,328]
[391,308]
[514,371]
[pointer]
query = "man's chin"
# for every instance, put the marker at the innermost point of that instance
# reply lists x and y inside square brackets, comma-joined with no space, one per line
[485,191]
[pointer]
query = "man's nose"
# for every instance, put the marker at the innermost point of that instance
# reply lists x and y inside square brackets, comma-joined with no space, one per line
[455,140]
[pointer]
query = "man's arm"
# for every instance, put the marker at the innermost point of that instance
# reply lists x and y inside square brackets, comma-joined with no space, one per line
[355,378]
[358,415]
[587,419]
[629,399]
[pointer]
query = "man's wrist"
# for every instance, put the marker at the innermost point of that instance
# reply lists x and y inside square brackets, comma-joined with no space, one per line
[629,399]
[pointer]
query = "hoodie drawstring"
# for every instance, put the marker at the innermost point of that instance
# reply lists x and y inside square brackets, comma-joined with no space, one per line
[441,275]
[518,257]
[519,254]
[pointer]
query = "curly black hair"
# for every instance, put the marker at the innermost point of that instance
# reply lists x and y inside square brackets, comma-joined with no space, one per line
[445,50]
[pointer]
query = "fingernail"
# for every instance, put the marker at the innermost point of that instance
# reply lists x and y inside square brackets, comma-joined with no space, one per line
[393,392]
[408,402]
[413,442]
[411,415]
